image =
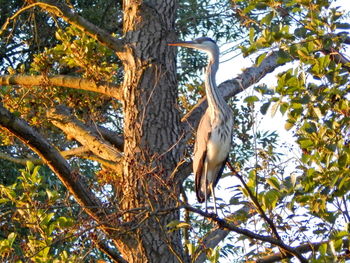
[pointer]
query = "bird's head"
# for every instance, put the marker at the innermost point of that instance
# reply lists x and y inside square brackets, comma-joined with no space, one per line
[205,44]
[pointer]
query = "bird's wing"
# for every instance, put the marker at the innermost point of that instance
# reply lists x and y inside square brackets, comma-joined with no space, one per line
[200,151]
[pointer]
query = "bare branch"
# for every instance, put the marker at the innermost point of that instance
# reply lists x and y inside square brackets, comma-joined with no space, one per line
[81,152]
[63,81]
[21,161]
[8,20]
[74,128]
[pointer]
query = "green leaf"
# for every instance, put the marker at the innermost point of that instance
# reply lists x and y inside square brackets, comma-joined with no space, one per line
[284,107]
[11,238]
[52,195]
[283,57]
[213,254]
[343,160]
[265,107]
[306,143]
[29,165]
[178,224]
[271,198]
[288,125]
[266,20]
[35,176]
[47,219]
[64,222]
[342,182]
[274,183]
[4,200]
[260,59]
[323,249]
[191,248]
[251,99]
[303,53]
[251,35]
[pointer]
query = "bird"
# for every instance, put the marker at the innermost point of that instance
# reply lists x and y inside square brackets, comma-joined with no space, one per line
[214,132]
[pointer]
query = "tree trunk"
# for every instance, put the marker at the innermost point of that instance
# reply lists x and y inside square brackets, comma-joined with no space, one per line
[151,130]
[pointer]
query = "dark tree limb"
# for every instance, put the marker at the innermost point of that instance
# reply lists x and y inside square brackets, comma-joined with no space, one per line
[111,253]
[223,224]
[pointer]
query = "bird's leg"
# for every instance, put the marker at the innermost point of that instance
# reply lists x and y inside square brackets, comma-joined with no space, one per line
[205,186]
[213,192]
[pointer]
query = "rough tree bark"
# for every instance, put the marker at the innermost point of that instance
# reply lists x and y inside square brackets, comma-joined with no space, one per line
[151,130]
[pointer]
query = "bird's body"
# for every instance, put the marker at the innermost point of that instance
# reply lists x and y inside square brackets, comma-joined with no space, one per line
[210,154]
[213,140]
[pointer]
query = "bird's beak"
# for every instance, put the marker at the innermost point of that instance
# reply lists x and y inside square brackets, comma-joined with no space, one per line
[190,44]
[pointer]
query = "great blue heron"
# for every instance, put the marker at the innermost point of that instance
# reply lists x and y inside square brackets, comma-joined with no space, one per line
[213,138]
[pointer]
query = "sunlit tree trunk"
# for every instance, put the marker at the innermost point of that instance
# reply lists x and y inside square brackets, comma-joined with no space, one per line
[151,130]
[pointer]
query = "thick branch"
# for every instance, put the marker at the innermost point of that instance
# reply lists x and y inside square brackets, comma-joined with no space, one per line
[21,161]
[62,81]
[74,128]
[60,9]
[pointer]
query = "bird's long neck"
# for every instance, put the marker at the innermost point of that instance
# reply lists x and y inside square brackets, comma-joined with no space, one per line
[216,103]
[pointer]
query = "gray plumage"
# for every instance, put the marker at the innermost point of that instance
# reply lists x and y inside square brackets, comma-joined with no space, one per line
[213,139]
